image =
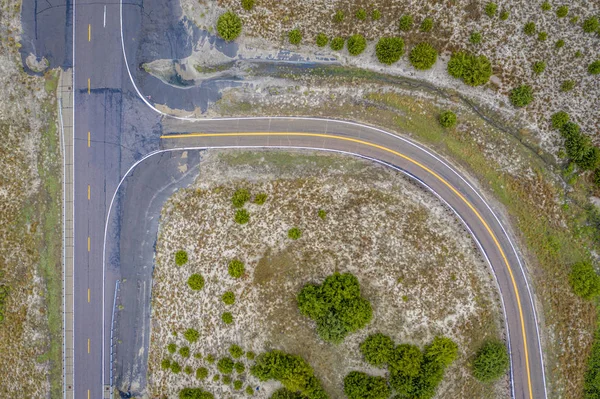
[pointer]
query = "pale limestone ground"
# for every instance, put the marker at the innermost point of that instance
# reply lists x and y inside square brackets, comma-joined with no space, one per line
[420,270]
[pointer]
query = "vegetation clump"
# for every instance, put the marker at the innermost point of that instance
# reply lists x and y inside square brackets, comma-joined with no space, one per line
[447,119]
[181,257]
[584,280]
[201,373]
[358,385]
[559,119]
[242,216]
[491,361]
[542,36]
[567,85]
[338,16]
[521,96]
[236,268]
[295,36]
[236,351]
[562,11]
[406,23]
[195,393]
[247,4]
[423,56]
[165,364]
[322,213]
[491,9]
[225,365]
[172,348]
[475,38]
[389,49]
[239,367]
[191,335]
[591,25]
[227,317]
[504,15]
[546,6]
[559,44]
[229,26]
[356,44]
[376,15]
[361,14]
[579,147]
[473,70]
[427,25]
[184,351]
[594,67]
[228,298]
[196,282]
[175,368]
[337,43]
[240,197]
[322,40]
[336,306]
[529,28]
[377,349]
[294,233]
[539,67]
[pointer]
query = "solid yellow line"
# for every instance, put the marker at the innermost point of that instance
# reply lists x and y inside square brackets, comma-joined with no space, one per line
[88,345]
[89,137]
[88,394]
[89,87]
[88,295]
[425,168]
[88,244]
[89,32]
[89,190]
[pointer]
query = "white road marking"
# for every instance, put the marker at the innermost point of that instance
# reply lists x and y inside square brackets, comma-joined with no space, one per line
[104,25]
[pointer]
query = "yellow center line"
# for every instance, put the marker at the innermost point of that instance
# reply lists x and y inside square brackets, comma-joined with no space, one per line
[88,295]
[88,394]
[89,141]
[88,345]
[89,32]
[89,86]
[425,168]
[89,244]
[89,192]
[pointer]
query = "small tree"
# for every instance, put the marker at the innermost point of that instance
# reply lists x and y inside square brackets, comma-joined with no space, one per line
[242,216]
[236,351]
[584,280]
[521,96]
[191,335]
[229,26]
[491,361]
[294,233]
[181,257]
[338,16]
[423,56]
[322,40]
[361,14]
[228,298]
[491,9]
[356,44]
[358,385]
[295,36]
[406,22]
[337,43]
[247,4]
[591,25]
[594,67]
[225,365]
[389,49]
[236,268]
[562,11]
[447,119]
[559,119]
[529,28]
[196,282]
[240,197]
[377,349]
[427,25]
[539,67]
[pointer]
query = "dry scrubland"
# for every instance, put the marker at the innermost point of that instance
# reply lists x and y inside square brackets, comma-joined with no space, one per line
[420,270]
[30,334]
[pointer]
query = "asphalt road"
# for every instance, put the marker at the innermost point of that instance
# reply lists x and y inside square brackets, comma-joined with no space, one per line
[113,129]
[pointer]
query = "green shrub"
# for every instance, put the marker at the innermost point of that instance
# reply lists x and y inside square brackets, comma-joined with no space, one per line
[216,377]
[491,361]
[236,268]
[191,335]
[546,6]
[338,16]
[567,85]
[225,365]
[322,41]
[337,43]
[559,44]
[570,130]
[292,371]
[407,359]
[202,373]
[596,177]
[375,15]
[210,358]
[521,96]
[591,25]
[423,56]
[358,385]
[242,216]
[361,14]
[447,119]
[175,367]
[559,119]
[529,28]
[195,393]
[235,351]
[172,348]
[473,70]
[584,280]
[237,385]
[336,306]
[227,317]
[247,4]
[594,67]
[356,44]
[239,367]
[228,298]
[389,50]
[188,370]
[475,38]
[579,147]
[250,391]
[491,9]
[294,233]
[229,26]
[574,20]
[578,54]
[184,351]
[504,15]
[377,349]
[226,380]
[196,282]
[539,67]
[165,364]
[322,213]
[295,36]
[406,22]
[442,350]
[181,258]
[427,25]
[250,355]
[542,36]
[240,197]
[562,11]
[284,393]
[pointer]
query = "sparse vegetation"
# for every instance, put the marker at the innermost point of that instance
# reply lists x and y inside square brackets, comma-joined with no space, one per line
[539,67]
[247,4]
[389,49]
[322,213]
[361,14]
[242,216]
[229,26]
[491,9]
[337,43]
[423,56]
[236,268]
[295,36]
[521,96]
[376,15]
[567,85]
[491,361]
[356,44]
[338,16]
[427,25]
[240,197]
[322,40]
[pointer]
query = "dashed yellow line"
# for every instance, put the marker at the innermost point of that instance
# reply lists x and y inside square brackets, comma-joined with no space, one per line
[425,168]
[88,295]
[88,345]
[89,244]
[89,32]
[89,139]
[89,86]
[89,192]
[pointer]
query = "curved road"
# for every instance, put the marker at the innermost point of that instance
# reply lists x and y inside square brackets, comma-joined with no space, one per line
[104,88]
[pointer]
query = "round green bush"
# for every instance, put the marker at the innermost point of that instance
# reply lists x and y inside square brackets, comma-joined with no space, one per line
[358,385]
[188,370]
[181,257]
[427,25]
[442,351]
[228,298]
[210,358]
[475,38]
[361,14]
[559,119]
[529,28]
[237,385]
[407,358]
[559,44]
[225,365]
[584,280]
[521,96]
[250,355]
[175,367]
[229,26]
[226,379]
[376,15]
[242,216]
[447,119]
[247,4]
[295,36]
[406,22]
[542,36]
[227,318]
[261,198]
[216,377]
[546,6]
[356,44]
[562,11]
[236,351]
[567,85]
[594,67]
[338,16]
[491,361]
[236,268]
[191,335]
[591,25]
[201,373]
[389,49]
[491,9]
[239,367]
[504,15]
[172,348]
[250,391]
[322,40]
[473,70]
[294,233]
[423,56]
[165,364]
[377,349]
[240,197]
[195,393]
[184,351]
[539,67]
[337,43]
[196,282]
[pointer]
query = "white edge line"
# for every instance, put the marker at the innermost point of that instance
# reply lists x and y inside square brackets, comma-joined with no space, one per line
[64,246]
[375,129]
[73,207]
